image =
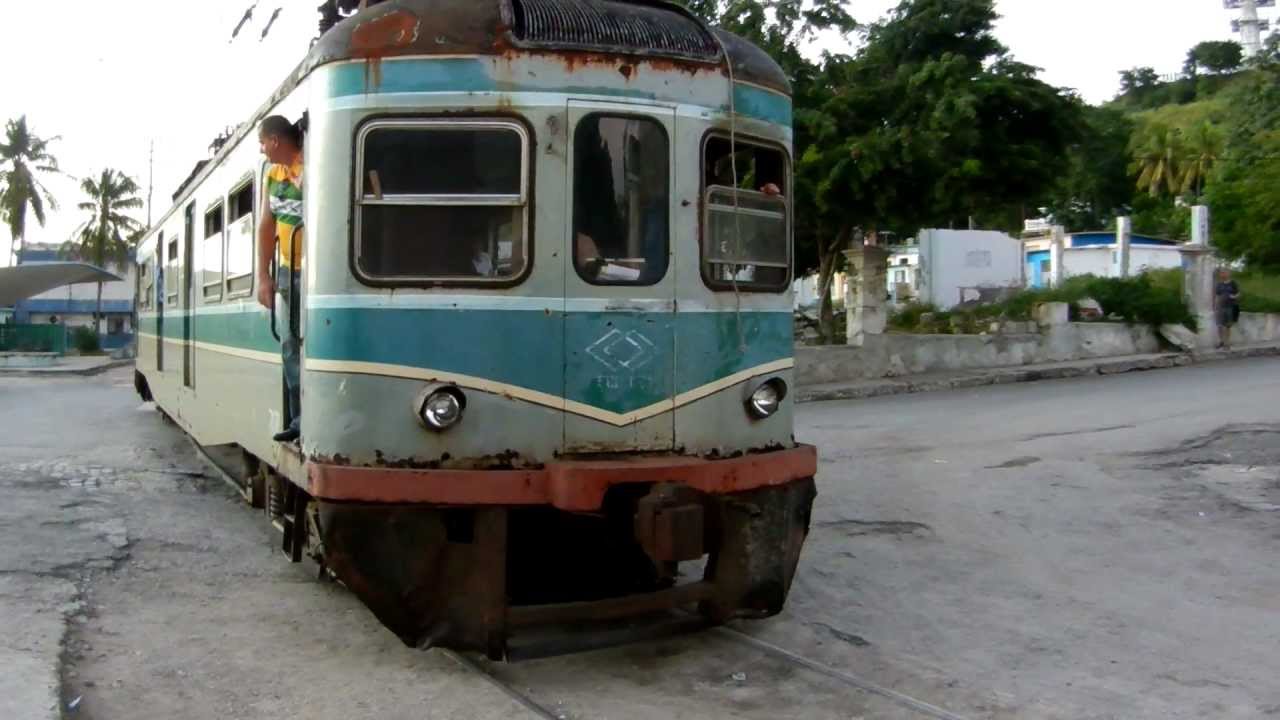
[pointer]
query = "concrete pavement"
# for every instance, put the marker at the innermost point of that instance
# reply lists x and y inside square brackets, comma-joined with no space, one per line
[1078,548]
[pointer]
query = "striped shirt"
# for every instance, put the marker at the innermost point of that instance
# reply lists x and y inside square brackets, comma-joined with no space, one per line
[284,190]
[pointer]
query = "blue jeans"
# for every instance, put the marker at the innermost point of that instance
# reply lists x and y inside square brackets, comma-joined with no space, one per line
[290,346]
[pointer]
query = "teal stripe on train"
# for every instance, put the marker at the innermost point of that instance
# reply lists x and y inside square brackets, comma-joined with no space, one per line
[605,368]
[473,75]
[615,361]
[250,330]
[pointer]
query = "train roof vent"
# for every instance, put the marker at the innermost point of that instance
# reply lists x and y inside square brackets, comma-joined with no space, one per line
[645,28]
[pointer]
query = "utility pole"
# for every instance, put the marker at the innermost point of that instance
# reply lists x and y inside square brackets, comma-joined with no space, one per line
[1249,26]
[151,173]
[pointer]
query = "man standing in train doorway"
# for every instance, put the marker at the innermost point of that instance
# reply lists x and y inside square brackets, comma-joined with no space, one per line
[280,235]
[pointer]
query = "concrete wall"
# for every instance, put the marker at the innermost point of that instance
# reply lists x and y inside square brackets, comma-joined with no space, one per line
[1153,257]
[1087,261]
[955,259]
[1256,328]
[896,354]
[1096,259]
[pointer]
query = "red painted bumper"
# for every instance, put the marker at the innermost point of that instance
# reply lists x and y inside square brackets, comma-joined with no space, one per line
[574,485]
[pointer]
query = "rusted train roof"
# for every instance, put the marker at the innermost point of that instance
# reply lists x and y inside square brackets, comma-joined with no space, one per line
[478,27]
[634,28]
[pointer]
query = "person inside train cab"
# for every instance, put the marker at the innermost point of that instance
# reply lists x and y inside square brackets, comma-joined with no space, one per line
[280,236]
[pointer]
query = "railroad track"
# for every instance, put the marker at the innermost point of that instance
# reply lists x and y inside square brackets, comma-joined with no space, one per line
[529,702]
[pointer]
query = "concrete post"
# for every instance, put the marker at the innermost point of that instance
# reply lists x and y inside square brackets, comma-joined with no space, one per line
[1200,225]
[1124,231]
[1198,267]
[865,302]
[1056,244]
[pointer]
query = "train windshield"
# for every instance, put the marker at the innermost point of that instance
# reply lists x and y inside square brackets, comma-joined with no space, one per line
[621,200]
[746,227]
[442,201]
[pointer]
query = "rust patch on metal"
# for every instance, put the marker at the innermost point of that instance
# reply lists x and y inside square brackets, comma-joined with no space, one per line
[575,485]
[382,36]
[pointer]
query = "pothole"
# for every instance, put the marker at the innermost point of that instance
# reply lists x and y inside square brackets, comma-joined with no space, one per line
[1239,463]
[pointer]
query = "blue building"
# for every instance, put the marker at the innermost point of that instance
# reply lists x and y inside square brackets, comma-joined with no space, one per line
[73,305]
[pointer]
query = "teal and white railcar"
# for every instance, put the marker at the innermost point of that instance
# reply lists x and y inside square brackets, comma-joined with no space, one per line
[546,323]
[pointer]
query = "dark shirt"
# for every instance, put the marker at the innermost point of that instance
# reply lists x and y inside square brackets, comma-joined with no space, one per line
[1228,293]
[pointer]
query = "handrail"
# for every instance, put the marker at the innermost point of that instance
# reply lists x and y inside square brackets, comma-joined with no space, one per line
[295,319]
[272,270]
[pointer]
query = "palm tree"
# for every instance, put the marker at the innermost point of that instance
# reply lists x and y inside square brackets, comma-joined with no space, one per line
[103,237]
[22,157]
[1204,147]
[1157,155]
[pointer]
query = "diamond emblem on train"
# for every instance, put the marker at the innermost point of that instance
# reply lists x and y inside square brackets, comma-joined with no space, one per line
[628,351]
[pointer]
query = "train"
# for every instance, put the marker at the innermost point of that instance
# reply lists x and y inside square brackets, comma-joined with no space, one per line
[545,319]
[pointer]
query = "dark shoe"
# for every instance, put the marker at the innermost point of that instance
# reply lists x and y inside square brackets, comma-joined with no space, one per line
[287,436]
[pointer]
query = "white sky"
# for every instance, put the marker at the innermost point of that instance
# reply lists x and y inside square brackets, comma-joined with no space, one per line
[112,77]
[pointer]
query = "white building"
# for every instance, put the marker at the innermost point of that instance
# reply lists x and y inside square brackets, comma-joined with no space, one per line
[1095,253]
[904,264]
[954,266]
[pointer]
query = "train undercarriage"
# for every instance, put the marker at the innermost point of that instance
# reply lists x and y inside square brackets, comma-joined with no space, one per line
[473,577]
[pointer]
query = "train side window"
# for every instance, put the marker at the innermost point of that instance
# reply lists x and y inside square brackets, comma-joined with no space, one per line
[442,201]
[211,253]
[171,273]
[746,234]
[148,286]
[240,235]
[621,200]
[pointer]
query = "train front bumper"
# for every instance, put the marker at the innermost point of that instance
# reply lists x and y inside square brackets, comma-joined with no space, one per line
[464,559]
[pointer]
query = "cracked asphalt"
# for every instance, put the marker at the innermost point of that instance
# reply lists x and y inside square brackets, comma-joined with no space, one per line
[1087,548]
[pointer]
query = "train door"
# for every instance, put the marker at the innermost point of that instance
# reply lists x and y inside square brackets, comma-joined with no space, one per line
[188,296]
[619,279]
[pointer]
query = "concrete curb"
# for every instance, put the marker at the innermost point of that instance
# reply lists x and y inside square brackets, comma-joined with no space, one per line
[1026,373]
[65,372]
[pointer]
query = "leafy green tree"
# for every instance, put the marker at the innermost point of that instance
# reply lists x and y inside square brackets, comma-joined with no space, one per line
[1244,197]
[1270,50]
[1096,185]
[1215,56]
[1136,80]
[103,237]
[23,158]
[1243,190]
[1158,153]
[934,124]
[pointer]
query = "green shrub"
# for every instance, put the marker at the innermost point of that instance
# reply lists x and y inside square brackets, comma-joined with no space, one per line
[907,317]
[1153,298]
[85,340]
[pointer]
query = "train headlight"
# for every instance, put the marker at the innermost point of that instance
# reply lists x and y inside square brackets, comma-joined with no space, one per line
[766,399]
[440,409]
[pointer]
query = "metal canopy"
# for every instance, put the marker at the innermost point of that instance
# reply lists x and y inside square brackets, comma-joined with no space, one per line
[23,281]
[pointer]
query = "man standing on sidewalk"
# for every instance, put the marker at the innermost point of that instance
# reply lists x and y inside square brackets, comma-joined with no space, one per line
[1226,304]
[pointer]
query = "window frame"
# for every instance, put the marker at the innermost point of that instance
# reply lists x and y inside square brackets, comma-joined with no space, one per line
[171,298]
[208,298]
[704,213]
[229,293]
[489,121]
[620,114]
[147,283]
